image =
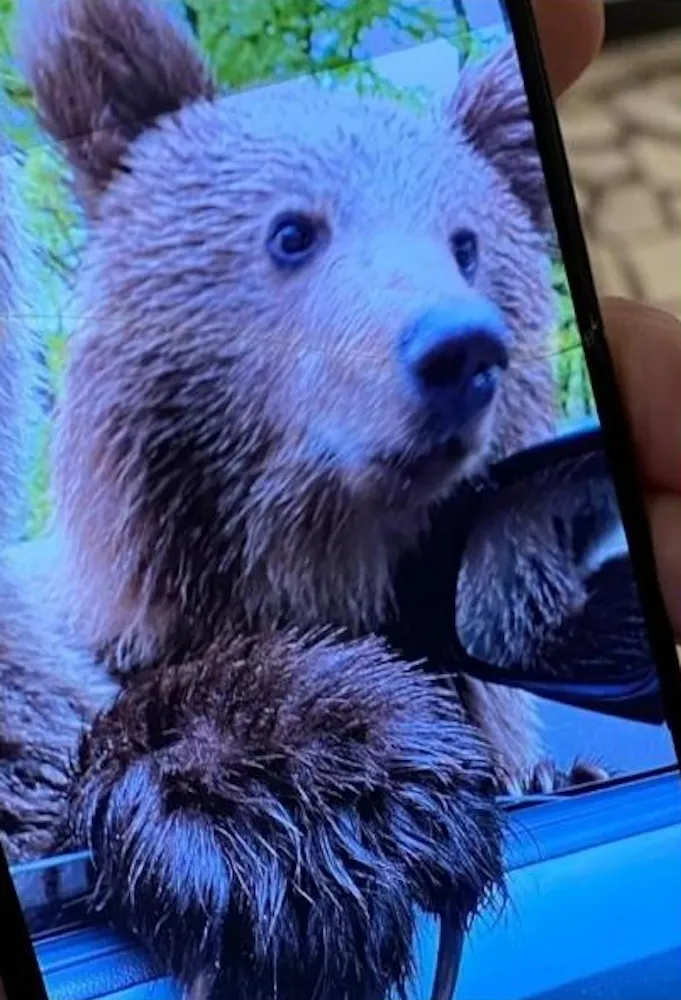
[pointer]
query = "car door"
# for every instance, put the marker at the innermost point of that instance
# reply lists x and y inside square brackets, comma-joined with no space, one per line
[593,909]
[593,913]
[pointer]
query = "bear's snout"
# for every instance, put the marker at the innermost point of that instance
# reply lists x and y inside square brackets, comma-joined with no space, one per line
[456,355]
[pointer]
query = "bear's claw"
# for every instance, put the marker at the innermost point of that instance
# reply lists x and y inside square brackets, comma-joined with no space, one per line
[547,777]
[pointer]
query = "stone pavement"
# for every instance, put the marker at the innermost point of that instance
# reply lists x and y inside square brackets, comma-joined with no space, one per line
[622,126]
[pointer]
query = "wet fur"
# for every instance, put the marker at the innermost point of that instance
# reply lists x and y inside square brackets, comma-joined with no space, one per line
[266,807]
[295,803]
[50,691]
[245,490]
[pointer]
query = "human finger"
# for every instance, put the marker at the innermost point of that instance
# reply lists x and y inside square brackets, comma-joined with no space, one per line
[571,34]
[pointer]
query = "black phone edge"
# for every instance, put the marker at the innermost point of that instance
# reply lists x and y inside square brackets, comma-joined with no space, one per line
[19,969]
[617,433]
[20,974]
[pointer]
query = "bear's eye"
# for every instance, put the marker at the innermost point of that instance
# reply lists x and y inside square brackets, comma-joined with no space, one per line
[293,239]
[466,252]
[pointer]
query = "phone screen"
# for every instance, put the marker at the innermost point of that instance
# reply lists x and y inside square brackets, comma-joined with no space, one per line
[332,662]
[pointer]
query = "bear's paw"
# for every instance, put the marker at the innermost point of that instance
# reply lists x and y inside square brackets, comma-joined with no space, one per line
[269,820]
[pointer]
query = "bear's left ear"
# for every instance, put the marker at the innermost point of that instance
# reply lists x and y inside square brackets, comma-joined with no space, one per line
[490,106]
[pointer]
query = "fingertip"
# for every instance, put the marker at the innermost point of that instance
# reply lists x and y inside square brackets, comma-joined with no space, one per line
[645,345]
[665,520]
[572,33]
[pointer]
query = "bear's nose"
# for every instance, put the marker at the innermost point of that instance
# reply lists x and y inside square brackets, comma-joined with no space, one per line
[456,355]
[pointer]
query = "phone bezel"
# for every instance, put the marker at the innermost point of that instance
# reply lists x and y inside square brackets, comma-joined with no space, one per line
[19,969]
[617,433]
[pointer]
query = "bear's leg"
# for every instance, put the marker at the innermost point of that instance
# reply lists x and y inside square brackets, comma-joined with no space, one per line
[269,820]
[528,573]
[49,693]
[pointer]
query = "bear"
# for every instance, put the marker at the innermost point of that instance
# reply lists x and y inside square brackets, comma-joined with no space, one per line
[305,319]
[49,687]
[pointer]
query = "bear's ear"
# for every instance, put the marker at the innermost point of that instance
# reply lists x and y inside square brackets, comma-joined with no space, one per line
[102,71]
[490,106]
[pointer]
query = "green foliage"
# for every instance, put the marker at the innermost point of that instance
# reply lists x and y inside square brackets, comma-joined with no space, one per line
[267,40]
[247,42]
[574,395]
[12,86]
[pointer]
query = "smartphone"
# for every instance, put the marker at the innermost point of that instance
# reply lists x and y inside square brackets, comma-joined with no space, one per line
[333,662]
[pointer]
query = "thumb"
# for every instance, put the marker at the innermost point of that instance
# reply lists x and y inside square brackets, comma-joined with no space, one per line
[665,518]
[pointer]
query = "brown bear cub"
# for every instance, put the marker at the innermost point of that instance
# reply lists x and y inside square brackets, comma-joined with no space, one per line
[307,317]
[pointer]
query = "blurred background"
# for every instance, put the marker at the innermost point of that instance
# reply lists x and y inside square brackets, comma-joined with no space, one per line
[622,126]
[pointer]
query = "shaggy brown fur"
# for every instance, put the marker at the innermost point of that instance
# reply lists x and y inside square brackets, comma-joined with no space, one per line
[238,455]
[48,689]
[180,455]
[295,803]
[260,498]
[49,692]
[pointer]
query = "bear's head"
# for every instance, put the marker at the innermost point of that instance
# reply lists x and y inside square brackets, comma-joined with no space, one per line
[303,316]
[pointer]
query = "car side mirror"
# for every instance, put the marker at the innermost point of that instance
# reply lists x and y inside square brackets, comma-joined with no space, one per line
[526,582]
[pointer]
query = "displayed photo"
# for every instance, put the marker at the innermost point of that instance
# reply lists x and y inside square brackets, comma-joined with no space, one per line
[324,668]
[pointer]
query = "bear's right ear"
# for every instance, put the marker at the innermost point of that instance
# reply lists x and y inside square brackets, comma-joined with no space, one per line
[102,71]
